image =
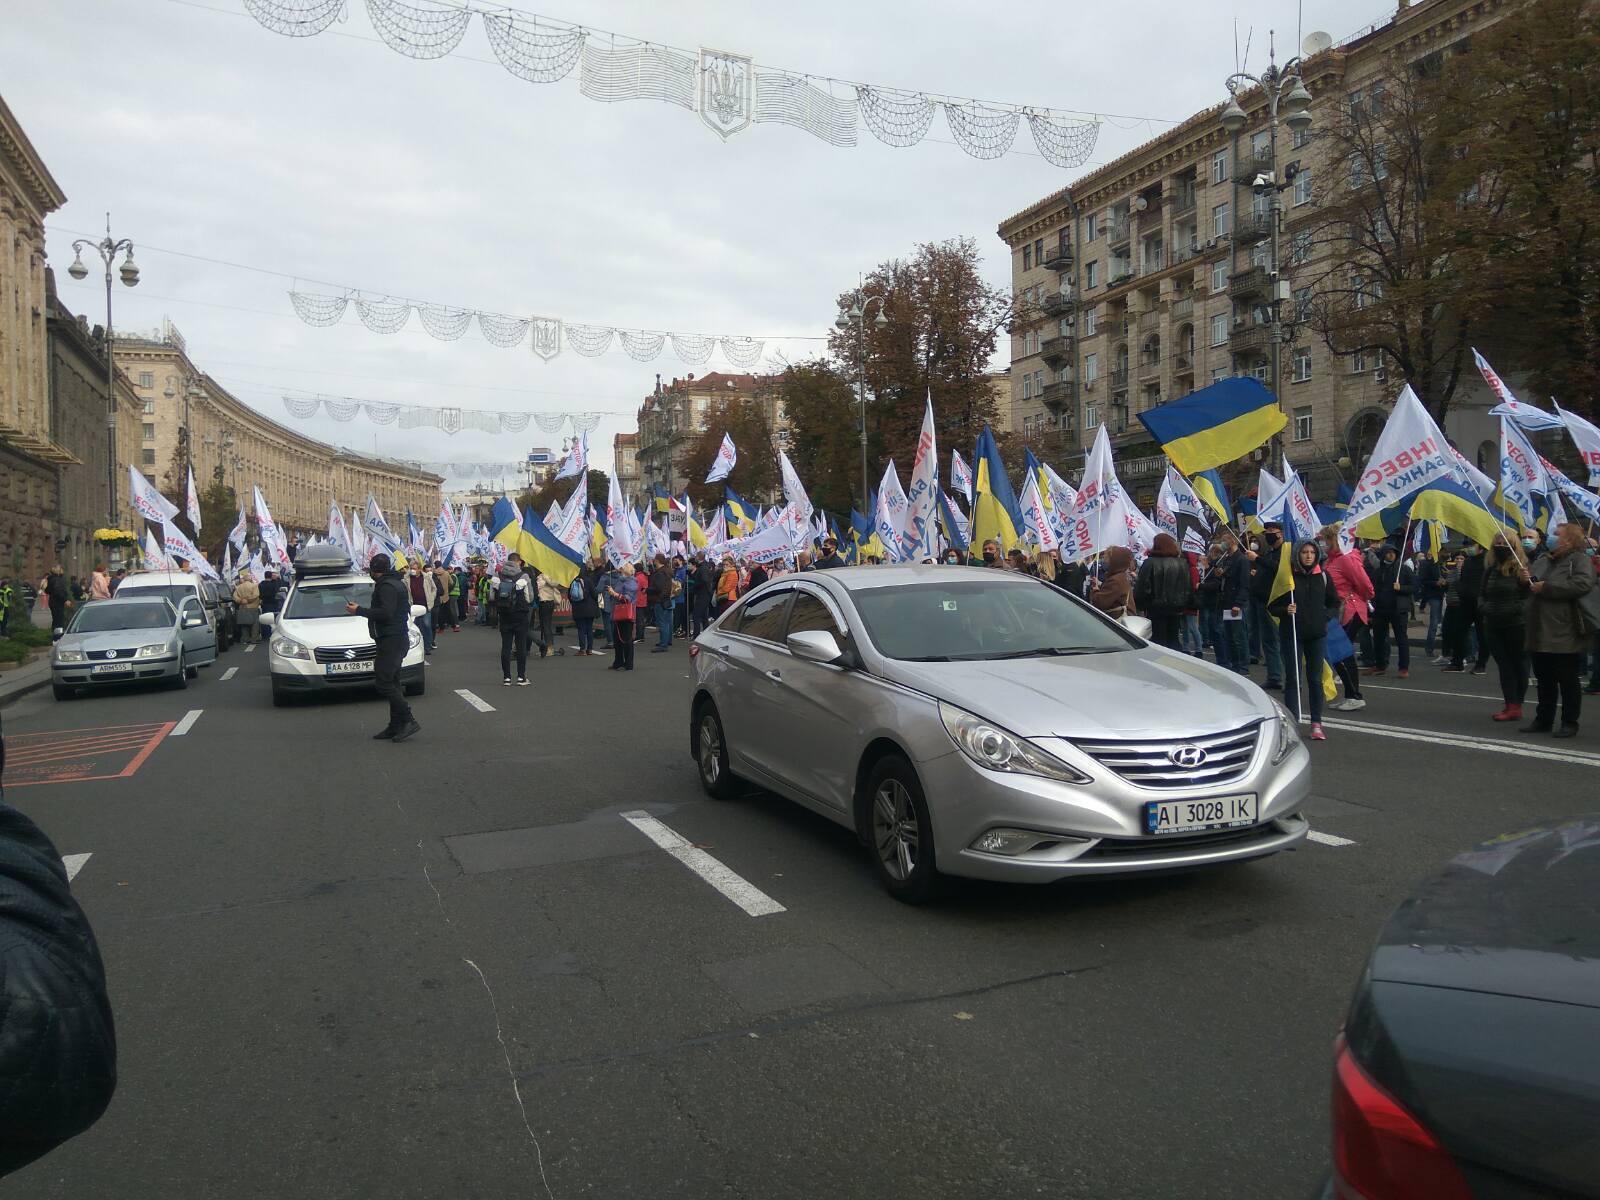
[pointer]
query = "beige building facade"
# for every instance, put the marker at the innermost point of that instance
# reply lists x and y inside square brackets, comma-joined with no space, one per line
[1153,275]
[674,416]
[299,476]
[625,462]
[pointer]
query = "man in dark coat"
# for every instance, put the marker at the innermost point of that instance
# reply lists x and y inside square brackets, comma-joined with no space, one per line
[389,619]
[1392,589]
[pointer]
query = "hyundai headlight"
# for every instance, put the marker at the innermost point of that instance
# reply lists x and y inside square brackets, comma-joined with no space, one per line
[155,651]
[413,638]
[287,647]
[66,656]
[1288,734]
[993,748]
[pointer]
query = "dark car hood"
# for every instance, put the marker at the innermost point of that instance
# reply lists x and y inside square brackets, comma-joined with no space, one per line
[1518,915]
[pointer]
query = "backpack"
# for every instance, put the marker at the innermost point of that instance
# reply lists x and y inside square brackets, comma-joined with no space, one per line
[576,589]
[509,598]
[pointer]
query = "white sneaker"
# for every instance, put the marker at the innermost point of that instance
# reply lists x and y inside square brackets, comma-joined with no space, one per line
[521,682]
[1352,705]
[506,682]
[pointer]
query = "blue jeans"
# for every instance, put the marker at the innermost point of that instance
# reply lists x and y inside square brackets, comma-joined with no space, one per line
[425,626]
[1211,628]
[610,633]
[664,624]
[585,628]
[1435,619]
[1189,635]
[1269,640]
[1233,634]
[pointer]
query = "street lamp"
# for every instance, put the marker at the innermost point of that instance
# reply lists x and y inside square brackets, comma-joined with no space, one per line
[856,315]
[1287,97]
[191,390]
[108,248]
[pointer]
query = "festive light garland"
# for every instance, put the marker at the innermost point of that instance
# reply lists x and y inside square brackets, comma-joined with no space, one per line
[448,419]
[729,91]
[389,315]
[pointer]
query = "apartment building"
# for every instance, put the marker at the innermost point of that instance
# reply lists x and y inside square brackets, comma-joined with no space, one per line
[1154,275]
[675,415]
[625,462]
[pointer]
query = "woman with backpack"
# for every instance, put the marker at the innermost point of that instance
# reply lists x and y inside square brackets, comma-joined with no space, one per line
[584,594]
[514,607]
[549,596]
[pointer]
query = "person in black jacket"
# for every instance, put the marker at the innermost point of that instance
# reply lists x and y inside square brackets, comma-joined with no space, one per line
[1303,615]
[829,559]
[58,1044]
[1263,570]
[705,590]
[1392,589]
[1162,590]
[1469,584]
[1430,597]
[389,619]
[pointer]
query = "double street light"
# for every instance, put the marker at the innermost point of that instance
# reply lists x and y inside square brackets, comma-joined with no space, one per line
[191,390]
[108,248]
[856,315]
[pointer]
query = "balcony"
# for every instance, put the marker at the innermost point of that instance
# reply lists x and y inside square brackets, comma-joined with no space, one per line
[1183,308]
[1253,227]
[1254,281]
[1185,253]
[1152,261]
[1059,259]
[1249,339]
[1248,165]
[1055,304]
[1150,365]
[1057,350]
[1119,378]
[1150,319]
[1183,202]
[1183,362]
[1058,394]
[1117,231]
[1121,275]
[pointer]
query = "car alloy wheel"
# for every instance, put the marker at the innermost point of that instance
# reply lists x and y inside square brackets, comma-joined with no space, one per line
[711,754]
[894,830]
[901,832]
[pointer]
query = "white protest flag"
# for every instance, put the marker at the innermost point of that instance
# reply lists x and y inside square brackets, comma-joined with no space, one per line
[192,502]
[963,524]
[573,531]
[1411,453]
[240,529]
[1584,501]
[793,490]
[271,536]
[618,547]
[717,531]
[338,532]
[1085,531]
[768,546]
[1194,542]
[1586,436]
[178,546]
[1473,478]
[553,518]
[1525,415]
[1183,500]
[920,531]
[1522,479]
[147,502]
[154,559]
[1269,489]
[727,458]
[576,464]
[890,514]
[378,527]
[361,547]
[1166,519]
[1062,498]
[1035,520]
[1293,509]
[961,475]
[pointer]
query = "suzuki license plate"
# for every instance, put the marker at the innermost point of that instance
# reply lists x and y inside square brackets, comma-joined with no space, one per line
[1196,816]
[350,668]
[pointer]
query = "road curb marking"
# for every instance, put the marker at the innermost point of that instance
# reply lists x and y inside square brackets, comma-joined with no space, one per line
[1328,839]
[1468,741]
[735,887]
[476,701]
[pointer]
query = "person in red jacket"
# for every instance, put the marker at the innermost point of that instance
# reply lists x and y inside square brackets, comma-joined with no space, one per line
[1348,571]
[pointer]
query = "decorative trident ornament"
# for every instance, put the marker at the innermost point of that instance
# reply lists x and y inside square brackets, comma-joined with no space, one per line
[546,337]
[727,91]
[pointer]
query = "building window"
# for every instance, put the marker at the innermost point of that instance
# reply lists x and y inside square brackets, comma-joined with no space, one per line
[149,407]
[1038,251]
[1302,304]
[1091,321]
[148,457]
[1091,274]
[146,379]
[1260,204]
[1221,220]
[1358,362]
[1219,329]
[1380,161]
[1299,138]
[1358,292]
[1302,187]
[1038,383]
[1302,363]
[1091,416]
[1091,227]
[149,431]
[1027,258]
[1219,275]
[1219,167]
[1300,248]
[1355,103]
[1218,374]
[1302,424]
[1027,387]
[1261,255]
[1063,375]
[1064,327]
[1091,367]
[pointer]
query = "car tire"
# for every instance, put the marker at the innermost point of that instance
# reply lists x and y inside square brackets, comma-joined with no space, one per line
[63,693]
[711,754]
[181,679]
[417,688]
[900,832]
[280,698]
[191,672]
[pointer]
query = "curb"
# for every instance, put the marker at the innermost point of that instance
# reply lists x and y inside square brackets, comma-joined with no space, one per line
[12,688]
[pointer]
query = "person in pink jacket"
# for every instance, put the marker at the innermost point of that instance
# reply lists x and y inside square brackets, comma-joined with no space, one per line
[1349,575]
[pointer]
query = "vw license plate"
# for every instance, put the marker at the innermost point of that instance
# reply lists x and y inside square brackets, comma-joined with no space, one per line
[350,668]
[112,669]
[1195,816]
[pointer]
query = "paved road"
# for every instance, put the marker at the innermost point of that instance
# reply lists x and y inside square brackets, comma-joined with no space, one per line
[450,968]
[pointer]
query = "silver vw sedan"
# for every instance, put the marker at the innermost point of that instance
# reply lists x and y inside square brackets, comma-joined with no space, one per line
[975,722]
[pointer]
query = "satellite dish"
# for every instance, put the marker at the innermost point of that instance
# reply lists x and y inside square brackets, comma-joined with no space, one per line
[1315,43]
[1141,203]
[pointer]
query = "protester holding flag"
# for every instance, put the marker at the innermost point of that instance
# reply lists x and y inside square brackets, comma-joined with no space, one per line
[549,596]
[1347,571]
[1392,588]
[1264,565]
[622,586]
[513,601]
[584,594]
[424,591]
[1114,594]
[1504,605]
[1560,625]
[1303,600]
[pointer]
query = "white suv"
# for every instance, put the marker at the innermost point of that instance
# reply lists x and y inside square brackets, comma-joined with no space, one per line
[317,647]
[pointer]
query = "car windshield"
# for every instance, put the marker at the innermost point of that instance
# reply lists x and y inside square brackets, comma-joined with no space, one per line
[327,600]
[102,618]
[176,592]
[960,621]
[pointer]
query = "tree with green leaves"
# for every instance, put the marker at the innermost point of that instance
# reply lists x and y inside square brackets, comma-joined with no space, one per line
[755,474]
[540,498]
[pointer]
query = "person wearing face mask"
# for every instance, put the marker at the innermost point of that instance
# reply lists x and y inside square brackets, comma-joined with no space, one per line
[1392,588]
[389,621]
[1263,569]
[1503,605]
[1560,625]
[991,555]
[1303,615]
[1469,620]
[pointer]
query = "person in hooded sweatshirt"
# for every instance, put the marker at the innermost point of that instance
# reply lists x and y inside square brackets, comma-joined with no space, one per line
[1303,615]
[1163,590]
[514,604]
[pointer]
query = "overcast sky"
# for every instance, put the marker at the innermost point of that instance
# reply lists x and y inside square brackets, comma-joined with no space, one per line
[336,159]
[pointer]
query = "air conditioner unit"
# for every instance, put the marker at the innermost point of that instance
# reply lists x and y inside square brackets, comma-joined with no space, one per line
[1380,373]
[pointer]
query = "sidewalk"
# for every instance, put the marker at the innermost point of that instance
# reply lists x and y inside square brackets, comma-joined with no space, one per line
[29,677]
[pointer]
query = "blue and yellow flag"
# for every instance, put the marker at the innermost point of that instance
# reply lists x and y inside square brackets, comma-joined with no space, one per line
[740,514]
[1215,425]
[1032,466]
[1213,492]
[951,524]
[1457,507]
[995,513]
[540,549]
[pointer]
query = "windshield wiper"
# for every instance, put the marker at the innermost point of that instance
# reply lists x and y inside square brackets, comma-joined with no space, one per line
[1055,651]
[929,658]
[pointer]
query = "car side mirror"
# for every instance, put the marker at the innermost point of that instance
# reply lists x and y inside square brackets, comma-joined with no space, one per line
[418,611]
[267,619]
[815,645]
[1138,626]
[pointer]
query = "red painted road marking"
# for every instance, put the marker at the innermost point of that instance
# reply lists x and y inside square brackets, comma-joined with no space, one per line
[79,755]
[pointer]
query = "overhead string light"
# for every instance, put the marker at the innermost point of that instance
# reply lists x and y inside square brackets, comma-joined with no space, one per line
[729,92]
[448,419]
[545,335]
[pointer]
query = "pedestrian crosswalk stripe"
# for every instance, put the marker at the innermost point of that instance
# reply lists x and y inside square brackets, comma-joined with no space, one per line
[477,702]
[1328,839]
[229,674]
[735,887]
[1467,741]
[183,726]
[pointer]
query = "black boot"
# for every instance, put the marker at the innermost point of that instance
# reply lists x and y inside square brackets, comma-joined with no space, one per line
[1569,729]
[406,730]
[384,734]
[1537,727]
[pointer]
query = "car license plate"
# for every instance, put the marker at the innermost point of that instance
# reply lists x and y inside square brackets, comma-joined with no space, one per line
[350,668]
[112,669]
[1194,816]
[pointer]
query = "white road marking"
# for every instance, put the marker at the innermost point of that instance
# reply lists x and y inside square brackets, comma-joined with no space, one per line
[74,863]
[1383,687]
[229,674]
[250,647]
[1328,839]
[735,887]
[477,703]
[183,726]
[1467,741]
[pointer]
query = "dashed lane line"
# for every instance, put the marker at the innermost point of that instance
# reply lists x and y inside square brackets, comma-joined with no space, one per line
[1467,741]
[1384,687]
[476,701]
[735,887]
[229,674]
[250,647]
[1328,839]
[74,863]
[187,723]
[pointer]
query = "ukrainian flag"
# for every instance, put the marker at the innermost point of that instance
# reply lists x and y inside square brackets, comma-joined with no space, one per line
[539,548]
[995,513]
[1215,425]
[1213,492]
[662,497]
[1457,507]
[740,514]
[951,526]
[1032,466]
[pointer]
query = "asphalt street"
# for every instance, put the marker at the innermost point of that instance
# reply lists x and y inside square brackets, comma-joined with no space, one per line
[452,968]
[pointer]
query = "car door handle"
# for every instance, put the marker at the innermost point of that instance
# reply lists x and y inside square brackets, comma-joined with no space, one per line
[774,674]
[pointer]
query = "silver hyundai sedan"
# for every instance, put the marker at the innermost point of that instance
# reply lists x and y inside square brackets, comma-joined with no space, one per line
[974,722]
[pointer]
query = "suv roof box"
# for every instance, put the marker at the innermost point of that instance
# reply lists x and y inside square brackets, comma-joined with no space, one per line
[322,560]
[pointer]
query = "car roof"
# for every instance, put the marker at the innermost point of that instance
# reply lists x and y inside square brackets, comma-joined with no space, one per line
[124,601]
[160,577]
[857,579]
[327,580]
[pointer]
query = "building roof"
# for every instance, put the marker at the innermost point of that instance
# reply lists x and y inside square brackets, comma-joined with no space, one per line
[626,439]
[39,186]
